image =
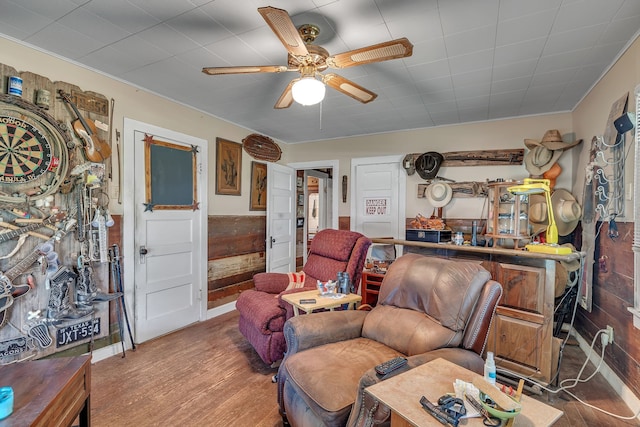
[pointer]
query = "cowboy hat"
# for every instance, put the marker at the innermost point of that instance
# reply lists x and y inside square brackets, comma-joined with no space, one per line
[574,264]
[438,194]
[543,154]
[409,164]
[566,211]
[538,214]
[562,279]
[428,164]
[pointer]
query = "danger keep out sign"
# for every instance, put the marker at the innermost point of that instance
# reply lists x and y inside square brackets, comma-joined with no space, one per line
[376,207]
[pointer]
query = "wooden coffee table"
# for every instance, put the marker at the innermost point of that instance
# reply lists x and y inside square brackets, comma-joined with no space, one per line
[434,379]
[49,392]
[322,301]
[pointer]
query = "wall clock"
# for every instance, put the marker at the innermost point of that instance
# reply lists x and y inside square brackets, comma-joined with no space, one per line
[34,157]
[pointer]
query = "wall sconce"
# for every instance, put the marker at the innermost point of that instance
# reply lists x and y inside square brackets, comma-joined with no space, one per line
[540,186]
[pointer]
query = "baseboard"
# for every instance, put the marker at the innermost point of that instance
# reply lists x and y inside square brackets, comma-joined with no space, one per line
[612,378]
[217,311]
[108,351]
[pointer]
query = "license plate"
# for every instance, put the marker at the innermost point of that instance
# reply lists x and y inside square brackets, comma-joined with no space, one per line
[77,332]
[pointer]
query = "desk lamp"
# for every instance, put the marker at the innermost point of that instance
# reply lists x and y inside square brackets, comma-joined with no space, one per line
[539,186]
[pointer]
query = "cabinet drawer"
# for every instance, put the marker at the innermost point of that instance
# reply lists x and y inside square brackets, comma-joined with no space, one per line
[517,340]
[522,286]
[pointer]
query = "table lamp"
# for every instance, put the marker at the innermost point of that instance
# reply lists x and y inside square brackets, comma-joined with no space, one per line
[539,186]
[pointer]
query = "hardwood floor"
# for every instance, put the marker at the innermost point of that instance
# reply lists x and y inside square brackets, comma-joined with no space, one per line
[209,375]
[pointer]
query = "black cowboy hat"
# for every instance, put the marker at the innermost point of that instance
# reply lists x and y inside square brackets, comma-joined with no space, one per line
[428,164]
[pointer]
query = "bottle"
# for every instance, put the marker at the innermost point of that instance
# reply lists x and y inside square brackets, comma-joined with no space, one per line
[490,368]
[474,233]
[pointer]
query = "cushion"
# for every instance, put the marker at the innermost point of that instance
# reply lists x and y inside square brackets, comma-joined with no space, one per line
[296,280]
[336,244]
[408,331]
[327,377]
[446,290]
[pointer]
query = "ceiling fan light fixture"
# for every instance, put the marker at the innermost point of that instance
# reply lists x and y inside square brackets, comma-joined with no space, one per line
[308,91]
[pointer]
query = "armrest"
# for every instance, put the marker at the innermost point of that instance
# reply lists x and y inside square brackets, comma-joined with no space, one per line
[271,283]
[307,331]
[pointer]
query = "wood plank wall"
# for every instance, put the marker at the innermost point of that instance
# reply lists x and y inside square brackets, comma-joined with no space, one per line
[612,293]
[236,251]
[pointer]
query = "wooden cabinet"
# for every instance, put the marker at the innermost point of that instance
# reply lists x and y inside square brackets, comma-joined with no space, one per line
[371,287]
[521,336]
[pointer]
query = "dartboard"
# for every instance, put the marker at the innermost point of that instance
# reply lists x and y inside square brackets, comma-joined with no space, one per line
[25,153]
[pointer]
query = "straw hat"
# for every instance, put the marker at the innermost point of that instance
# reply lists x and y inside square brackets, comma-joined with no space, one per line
[438,194]
[543,154]
[428,164]
[562,279]
[574,264]
[566,211]
[538,214]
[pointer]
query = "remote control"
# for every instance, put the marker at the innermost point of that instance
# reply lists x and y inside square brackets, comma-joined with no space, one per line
[308,301]
[390,365]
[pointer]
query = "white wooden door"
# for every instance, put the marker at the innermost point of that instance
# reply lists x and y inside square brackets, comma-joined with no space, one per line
[281,218]
[378,197]
[168,251]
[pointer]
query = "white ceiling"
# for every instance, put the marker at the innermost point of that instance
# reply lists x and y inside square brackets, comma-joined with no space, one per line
[473,60]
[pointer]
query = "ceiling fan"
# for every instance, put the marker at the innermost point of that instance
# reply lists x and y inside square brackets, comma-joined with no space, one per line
[309,60]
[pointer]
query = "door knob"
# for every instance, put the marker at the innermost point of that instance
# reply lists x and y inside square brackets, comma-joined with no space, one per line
[143,251]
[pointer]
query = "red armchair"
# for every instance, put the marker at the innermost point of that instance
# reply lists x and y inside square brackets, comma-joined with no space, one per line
[262,310]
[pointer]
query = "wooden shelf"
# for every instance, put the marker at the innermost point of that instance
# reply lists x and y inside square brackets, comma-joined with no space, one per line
[371,287]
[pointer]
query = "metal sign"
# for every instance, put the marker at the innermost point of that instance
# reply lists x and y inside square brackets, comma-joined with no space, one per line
[77,332]
[377,206]
[13,347]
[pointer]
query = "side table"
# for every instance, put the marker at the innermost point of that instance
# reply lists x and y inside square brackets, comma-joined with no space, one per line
[433,379]
[321,301]
[49,392]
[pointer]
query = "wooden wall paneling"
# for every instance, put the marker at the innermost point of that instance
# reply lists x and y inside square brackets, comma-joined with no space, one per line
[612,293]
[236,251]
[234,235]
[344,223]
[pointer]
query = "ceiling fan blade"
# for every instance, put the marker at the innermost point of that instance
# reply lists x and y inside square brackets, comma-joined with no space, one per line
[246,69]
[286,99]
[349,88]
[281,24]
[399,48]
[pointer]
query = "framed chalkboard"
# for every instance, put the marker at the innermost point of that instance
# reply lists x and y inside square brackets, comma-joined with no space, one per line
[171,175]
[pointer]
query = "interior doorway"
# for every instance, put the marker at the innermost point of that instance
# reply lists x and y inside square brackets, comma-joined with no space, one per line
[318,182]
[326,209]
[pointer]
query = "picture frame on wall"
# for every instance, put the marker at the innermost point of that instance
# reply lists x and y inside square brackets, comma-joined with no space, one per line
[299,181]
[258,199]
[228,167]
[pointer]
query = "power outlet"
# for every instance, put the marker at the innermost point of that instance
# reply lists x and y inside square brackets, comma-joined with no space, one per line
[610,334]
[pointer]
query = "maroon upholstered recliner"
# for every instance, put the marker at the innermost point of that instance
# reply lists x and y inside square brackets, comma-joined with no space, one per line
[262,310]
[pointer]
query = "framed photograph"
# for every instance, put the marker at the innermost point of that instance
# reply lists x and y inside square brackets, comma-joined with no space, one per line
[300,199]
[299,222]
[299,181]
[228,167]
[258,199]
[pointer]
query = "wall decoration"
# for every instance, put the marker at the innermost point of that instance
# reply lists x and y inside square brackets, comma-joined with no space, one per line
[52,211]
[173,183]
[258,197]
[228,167]
[261,147]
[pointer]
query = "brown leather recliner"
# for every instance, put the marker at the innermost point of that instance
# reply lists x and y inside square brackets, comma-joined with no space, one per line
[427,308]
